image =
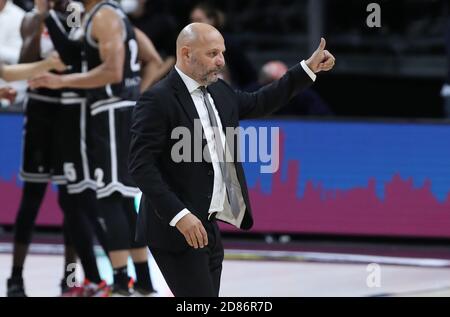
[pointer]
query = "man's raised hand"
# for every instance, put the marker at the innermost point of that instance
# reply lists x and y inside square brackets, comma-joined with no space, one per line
[321,59]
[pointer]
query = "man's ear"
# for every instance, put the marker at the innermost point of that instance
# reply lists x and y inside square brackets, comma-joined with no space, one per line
[186,52]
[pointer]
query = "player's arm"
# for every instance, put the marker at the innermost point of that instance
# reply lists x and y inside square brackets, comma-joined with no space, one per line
[30,30]
[107,30]
[29,70]
[6,92]
[150,59]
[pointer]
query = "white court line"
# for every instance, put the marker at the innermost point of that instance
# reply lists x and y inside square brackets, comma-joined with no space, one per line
[44,249]
[336,257]
[234,254]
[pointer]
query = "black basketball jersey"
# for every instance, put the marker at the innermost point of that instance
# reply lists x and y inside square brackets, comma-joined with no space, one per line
[47,45]
[68,43]
[64,41]
[128,88]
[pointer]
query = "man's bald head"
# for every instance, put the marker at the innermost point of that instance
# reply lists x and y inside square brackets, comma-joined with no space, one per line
[195,33]
[200,49]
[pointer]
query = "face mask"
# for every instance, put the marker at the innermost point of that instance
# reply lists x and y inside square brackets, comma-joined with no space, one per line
[129,6]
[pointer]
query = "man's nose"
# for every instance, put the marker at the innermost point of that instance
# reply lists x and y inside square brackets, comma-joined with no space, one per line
[220,61]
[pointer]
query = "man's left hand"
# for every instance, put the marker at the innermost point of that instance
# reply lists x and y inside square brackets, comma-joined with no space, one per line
[321,59]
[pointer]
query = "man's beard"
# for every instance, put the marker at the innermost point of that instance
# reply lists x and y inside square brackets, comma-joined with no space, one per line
[208,77]
[204,78]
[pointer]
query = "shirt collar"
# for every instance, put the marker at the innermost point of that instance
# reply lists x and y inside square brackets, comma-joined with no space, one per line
[190,83]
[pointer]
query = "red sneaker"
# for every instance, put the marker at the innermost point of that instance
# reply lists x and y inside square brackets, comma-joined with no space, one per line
[96,290]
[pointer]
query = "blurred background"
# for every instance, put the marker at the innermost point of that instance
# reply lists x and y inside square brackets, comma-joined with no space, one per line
[382,72]
[365,152]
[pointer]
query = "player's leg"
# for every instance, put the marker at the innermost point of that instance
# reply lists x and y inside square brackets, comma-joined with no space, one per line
[118,239]
[102,144]
[70,261]
[77,210]
[60,141]
[35,172]
[32,196]
[138,251]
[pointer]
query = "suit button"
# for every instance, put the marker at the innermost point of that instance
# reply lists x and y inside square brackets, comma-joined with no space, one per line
[210,173]
[209,196]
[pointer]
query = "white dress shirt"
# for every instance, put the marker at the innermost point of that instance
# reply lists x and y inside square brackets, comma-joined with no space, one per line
[10,39]
[219,189]
[10,44]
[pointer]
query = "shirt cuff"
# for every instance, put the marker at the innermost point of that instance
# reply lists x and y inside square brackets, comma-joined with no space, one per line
[179,215]
[308,71]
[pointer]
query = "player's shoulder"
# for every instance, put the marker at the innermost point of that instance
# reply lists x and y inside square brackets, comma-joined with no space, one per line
[29,22]
[159,91]
[106,12]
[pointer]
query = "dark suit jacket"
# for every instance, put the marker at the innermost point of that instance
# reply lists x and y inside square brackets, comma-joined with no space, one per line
[169,187]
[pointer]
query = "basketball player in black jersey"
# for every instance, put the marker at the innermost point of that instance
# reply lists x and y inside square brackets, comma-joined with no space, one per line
[82,218]
[111,49]
[37,161]
[49,122]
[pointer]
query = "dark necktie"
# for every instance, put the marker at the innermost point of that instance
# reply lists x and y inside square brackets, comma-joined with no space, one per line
[221,150]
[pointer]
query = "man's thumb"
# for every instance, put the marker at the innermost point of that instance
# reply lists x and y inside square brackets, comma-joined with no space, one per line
[322,44]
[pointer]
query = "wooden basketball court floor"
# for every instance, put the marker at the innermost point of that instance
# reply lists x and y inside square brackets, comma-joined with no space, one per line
[267,273]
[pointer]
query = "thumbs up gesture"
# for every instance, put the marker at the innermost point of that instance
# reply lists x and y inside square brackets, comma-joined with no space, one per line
[321,59]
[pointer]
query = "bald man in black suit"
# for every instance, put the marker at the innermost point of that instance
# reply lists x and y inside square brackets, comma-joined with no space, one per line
[182,200]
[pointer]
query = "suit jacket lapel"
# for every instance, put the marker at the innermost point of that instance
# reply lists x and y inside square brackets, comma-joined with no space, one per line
[186,101]
[183,95]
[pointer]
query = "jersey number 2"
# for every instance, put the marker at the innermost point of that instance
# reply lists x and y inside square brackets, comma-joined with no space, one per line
[134,63]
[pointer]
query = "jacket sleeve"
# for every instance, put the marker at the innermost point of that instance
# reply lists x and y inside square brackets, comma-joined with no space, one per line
[271,97]
[149,138]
